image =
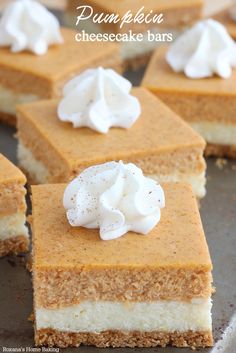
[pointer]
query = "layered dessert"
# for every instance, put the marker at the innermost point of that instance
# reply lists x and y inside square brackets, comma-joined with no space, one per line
[38,57]
[69,135]
[92,288]
[13,232]
[176,15]
[196,78]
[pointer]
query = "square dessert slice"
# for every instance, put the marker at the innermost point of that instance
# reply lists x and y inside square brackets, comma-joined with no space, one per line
[177,15]
[26,77]
[159,142]
[13,232]
[207,104]
[132,291]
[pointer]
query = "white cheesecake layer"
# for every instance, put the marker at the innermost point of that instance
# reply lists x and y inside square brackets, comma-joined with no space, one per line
[10,99]
[40,173]
[13,225]
[197,181]
[98,316]
[215,132]
[30,164]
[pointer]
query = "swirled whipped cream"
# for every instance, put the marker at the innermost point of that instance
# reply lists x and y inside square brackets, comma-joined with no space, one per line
[27,25]
[99,99]
[204,50]
[114,197]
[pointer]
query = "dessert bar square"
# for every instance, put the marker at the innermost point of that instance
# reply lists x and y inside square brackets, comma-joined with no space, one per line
[159,142]
[133,291]
[26,77]
[207,104]
[13,232]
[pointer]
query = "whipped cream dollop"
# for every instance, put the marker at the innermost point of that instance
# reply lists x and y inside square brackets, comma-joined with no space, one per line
[28,25]
[204,50]
[99,99]
[114,197]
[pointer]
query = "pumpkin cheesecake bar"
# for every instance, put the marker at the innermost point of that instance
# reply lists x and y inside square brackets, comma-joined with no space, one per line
[25,77]
[136,290]
[177,15]
[207,104]
[164,146]
[13,232]
[37,58]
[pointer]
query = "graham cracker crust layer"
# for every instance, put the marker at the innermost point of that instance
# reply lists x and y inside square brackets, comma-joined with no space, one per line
[50,337]
[8,119]
[14,245]
[217,150]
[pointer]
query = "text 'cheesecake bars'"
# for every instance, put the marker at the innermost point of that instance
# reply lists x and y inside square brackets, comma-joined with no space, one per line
[177,14]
